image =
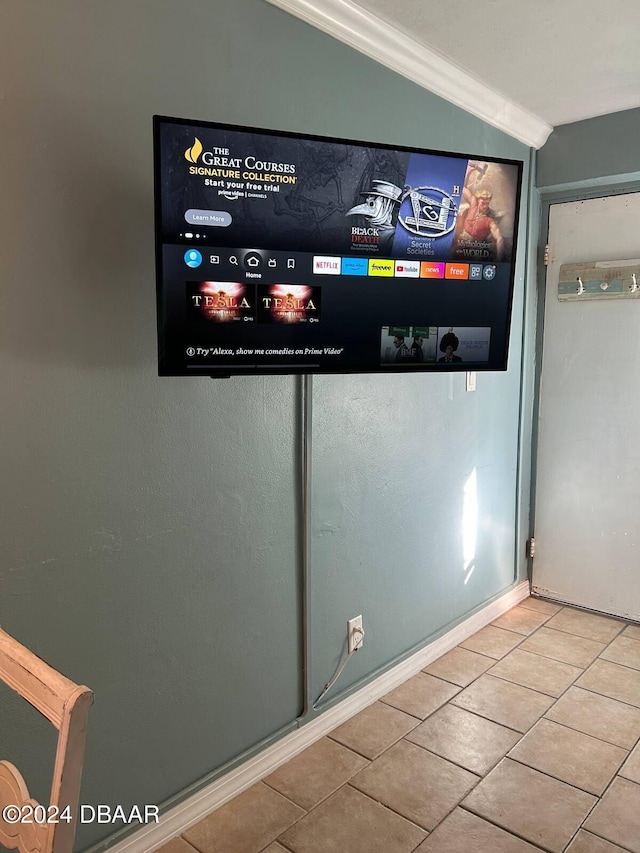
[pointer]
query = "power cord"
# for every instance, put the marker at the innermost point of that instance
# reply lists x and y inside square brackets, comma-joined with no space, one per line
[338,673]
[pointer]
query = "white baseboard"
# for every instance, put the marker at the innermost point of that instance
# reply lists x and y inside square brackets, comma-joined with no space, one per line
[192,810]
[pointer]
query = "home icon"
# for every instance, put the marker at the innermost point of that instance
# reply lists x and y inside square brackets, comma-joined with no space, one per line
[252,261]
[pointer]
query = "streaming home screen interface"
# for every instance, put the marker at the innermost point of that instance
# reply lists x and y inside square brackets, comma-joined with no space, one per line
[284,254]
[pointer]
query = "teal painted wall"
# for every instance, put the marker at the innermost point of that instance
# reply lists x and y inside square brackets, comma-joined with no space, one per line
[150,527]
[597,150]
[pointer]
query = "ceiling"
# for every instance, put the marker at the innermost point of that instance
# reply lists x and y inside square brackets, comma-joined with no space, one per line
[522,65]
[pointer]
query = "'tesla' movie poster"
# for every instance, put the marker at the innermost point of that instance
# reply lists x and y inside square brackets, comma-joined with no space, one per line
[288,303]
[220,301]
[254,189]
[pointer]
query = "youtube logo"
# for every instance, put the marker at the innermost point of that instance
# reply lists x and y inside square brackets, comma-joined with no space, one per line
[407,269]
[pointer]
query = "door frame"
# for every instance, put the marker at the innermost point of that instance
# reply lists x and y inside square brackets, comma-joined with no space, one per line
[583,191]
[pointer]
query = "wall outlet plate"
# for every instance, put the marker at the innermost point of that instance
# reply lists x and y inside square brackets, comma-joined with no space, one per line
[355,637]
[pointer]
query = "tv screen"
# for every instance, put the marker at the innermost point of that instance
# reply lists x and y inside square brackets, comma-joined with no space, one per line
[281,253]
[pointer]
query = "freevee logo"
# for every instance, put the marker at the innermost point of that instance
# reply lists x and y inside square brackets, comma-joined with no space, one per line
[192,154]
[380,267]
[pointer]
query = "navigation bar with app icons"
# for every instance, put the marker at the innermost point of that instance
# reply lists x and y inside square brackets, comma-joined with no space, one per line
[454,270]
[263,264]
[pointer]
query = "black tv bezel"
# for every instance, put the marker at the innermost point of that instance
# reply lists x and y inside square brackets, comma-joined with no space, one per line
[279,370]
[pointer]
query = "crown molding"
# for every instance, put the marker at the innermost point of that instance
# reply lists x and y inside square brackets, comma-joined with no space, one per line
[374,37]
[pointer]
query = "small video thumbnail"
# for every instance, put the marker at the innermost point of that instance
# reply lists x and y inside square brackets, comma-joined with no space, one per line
[220,301]
[288,303]
[408,344]
[463,344]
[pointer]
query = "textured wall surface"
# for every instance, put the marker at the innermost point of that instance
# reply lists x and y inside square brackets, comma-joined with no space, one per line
[150,527]
[591,150]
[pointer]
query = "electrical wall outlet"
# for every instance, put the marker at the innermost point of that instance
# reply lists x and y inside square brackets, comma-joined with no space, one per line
[355,635]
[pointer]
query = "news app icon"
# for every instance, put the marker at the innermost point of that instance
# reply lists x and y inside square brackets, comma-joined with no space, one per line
[192,258]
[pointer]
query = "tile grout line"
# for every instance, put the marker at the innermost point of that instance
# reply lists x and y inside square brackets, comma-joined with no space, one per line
[564,781]
[556,699]
[508,831]
[587,610]
[391,809]
[584,671]
[579,731]
[393,743]
[346,783]
[521,736]
[598,798]
[573,684]
[615,663]
[588,815]
[615,775]
[281,843]
[189,843]
[419,720]
[330,794]
[455,764]
[602,838]
[561,660]
[596,692]
[476,714]
[606,790]
[595,834]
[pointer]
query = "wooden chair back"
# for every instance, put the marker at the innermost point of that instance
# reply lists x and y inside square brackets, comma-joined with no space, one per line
[66,706]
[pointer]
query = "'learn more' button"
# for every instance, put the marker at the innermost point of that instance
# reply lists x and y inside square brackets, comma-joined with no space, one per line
[326,266]
[377,266]
[215,218]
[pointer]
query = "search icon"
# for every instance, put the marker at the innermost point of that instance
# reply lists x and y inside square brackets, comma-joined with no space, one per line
[233,260]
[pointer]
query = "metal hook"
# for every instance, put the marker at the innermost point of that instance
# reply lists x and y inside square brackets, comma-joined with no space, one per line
[580,286]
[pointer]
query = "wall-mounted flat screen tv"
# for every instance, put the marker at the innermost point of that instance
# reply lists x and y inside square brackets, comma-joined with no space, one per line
[281,253]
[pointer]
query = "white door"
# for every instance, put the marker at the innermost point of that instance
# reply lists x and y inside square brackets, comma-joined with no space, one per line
[587,504]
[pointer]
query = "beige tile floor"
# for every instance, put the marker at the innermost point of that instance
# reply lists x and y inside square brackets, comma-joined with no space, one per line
[526,737]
